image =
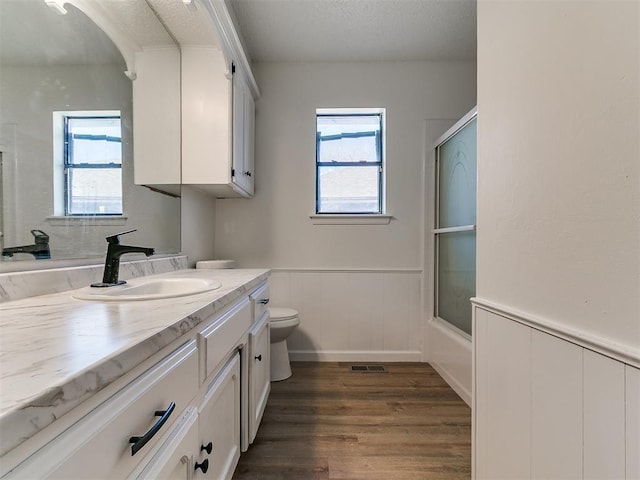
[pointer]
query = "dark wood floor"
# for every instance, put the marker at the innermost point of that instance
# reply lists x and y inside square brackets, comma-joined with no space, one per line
[326,422]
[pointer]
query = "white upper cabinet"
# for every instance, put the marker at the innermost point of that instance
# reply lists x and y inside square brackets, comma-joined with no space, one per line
[217,150]
[156,118]
[196,108]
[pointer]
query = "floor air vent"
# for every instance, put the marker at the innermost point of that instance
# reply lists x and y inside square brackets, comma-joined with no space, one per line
[368,368]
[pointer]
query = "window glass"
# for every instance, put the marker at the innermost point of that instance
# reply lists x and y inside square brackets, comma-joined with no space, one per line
[349,163]
[94,140]
[93,166]
[95,191]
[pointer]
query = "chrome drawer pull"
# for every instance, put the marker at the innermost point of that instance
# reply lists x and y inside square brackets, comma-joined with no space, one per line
[139,442]
[263,301]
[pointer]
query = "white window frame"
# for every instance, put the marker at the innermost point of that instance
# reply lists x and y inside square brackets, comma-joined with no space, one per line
[59,216]
[382,217]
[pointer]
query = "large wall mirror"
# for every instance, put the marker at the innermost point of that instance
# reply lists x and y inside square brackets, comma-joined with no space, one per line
[66,138]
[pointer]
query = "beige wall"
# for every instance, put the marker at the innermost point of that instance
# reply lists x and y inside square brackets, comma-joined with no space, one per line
[559,164]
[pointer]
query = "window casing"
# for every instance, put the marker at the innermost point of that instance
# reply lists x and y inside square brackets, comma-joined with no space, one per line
[92,165]
[350,161]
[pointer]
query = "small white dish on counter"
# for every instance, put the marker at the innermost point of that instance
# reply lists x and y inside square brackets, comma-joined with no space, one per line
[148,288]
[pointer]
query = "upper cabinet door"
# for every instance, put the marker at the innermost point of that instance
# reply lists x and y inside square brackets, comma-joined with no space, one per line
[243,125]
[242,149]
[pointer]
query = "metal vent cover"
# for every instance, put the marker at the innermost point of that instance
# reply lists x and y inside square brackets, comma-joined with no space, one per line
[369,368]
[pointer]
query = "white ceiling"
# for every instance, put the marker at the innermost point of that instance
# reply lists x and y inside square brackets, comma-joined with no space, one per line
[31,33]
[357,30]
[273,30]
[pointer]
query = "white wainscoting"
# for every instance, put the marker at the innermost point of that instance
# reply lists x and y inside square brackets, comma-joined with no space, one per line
[352,315]
[547,407]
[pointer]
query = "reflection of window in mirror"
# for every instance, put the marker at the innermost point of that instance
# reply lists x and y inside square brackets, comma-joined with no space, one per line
[88,163]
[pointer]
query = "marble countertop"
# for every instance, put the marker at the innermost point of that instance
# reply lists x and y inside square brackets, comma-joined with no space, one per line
[57,351]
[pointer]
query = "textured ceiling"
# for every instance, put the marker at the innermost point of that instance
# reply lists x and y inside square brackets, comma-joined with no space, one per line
[273,30]
[357,30]
[31,33]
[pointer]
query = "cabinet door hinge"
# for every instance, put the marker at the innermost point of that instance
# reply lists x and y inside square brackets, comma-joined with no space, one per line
[233,172]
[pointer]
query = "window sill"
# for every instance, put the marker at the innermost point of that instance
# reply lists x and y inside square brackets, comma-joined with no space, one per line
[349,219]
[115,220]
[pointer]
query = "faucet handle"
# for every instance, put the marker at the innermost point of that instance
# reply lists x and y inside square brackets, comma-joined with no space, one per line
[39,236]
[114,238]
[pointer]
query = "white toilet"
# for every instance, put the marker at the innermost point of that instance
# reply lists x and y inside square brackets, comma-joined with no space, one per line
[282,322]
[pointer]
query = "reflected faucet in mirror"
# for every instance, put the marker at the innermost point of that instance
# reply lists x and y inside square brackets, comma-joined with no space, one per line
[40,249]
[112,262]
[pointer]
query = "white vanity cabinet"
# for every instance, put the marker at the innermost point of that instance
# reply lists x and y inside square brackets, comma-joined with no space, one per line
[114,438]
[184,414]
[217,124]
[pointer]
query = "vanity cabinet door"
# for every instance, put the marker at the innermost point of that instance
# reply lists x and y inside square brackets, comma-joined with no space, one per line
[219,425]
[259,372]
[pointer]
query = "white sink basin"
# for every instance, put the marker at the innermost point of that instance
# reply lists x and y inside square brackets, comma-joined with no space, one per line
[148,289]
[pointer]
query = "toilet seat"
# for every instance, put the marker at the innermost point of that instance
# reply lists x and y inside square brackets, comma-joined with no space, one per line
[281,314]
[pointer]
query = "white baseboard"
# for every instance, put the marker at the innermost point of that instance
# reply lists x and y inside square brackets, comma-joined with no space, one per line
[459,388]
[342,356]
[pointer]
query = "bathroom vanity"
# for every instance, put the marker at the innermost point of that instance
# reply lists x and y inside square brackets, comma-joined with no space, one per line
[164,388]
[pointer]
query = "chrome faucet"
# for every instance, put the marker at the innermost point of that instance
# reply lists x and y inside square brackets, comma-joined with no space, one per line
[40,249]
[112,262]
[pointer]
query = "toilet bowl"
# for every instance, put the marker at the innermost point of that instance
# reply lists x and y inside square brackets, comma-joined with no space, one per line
[282,322]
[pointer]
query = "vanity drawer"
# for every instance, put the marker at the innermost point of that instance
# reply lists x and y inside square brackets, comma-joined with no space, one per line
[98,446]
[259,300]
[222,335]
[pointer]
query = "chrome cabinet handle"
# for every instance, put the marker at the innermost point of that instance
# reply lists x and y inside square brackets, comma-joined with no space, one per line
[263,301]
[139,442]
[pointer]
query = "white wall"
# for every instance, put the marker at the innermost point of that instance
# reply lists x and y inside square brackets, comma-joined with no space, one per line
[273,229]
[558,167]
[198,224]
[556,326]
[29,96]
